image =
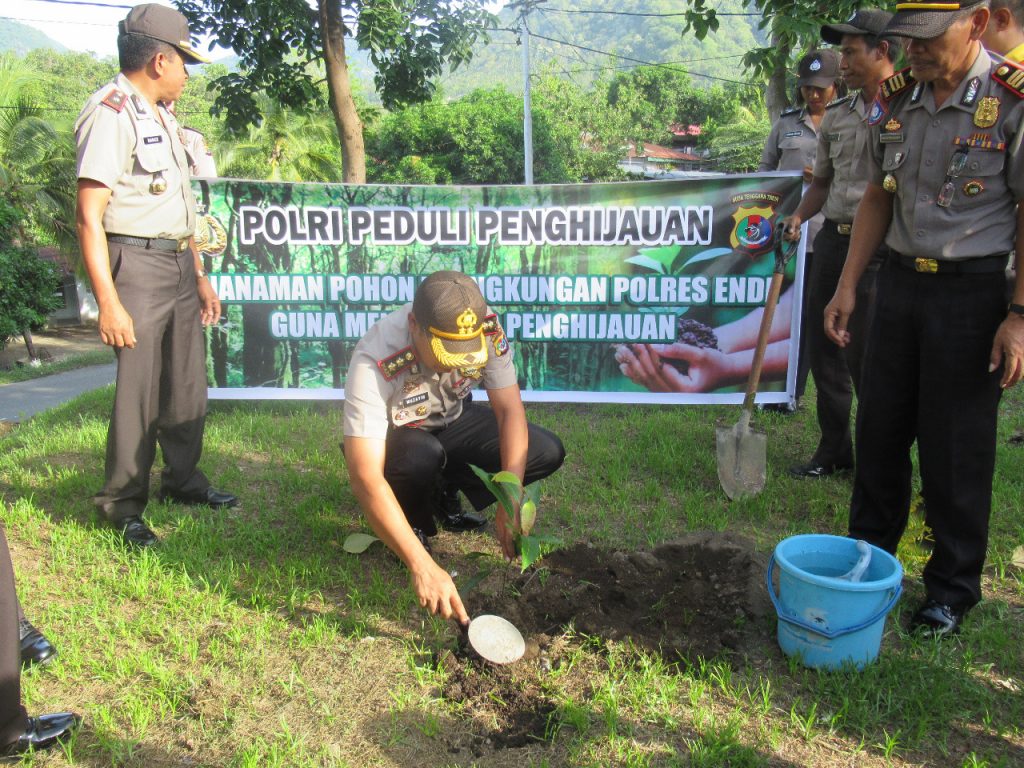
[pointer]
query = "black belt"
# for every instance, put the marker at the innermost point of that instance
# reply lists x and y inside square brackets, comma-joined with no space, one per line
[151,243]
[839,229]
[980,265]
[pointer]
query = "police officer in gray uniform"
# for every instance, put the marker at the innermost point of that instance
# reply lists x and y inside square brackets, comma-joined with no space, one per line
[791,146]
[136,215]
[946,175]
[410,422]
[836,189]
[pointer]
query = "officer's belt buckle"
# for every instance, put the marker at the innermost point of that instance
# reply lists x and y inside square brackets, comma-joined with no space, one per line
[844,229]
[931,266]
[182,244]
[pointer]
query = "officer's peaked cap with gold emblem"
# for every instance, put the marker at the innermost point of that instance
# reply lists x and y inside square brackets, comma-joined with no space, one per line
[449,306]
[924,20]
[864,21]
[818,69]
[164,24]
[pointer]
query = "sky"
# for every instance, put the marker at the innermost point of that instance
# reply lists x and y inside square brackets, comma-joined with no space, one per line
[89,27]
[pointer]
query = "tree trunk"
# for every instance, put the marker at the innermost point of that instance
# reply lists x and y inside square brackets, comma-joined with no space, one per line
[30,345]
[775,97]
[346,118]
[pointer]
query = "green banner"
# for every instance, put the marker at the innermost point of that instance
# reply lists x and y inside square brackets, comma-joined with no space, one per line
[631,292]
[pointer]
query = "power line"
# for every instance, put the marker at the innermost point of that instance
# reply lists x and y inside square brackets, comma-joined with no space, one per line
[83,2]
[639,13]
[638,61]
[57,21]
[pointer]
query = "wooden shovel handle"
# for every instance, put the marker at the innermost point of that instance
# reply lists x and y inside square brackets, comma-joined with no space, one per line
[762,340]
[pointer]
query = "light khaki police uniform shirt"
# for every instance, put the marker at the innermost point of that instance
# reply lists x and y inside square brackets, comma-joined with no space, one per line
[913,143]
[200,159]
[791,146]
[844,142]
[386,385]
[123,145]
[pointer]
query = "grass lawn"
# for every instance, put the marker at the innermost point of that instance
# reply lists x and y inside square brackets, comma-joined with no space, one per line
[70,363]
[250,638]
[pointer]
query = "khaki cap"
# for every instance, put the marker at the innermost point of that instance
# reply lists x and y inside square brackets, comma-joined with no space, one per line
[164,24]
[925,20]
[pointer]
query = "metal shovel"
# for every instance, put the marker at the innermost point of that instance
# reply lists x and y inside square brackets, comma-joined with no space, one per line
[742,452]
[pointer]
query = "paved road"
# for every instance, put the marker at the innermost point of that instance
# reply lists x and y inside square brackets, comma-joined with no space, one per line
[26,398]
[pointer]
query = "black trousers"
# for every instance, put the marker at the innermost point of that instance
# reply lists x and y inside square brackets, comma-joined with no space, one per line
[13,718]
[418,462]
[836,370]
[161,382]
[926,378]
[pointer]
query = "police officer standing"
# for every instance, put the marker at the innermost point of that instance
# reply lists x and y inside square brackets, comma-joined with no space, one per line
[791,146]
[136,214]
[836,189]
[946,174]
[410,424]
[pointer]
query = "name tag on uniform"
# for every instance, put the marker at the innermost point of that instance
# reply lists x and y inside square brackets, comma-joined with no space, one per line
[832,136]
[414,399]
[152,139]
[794,133]
[890,138]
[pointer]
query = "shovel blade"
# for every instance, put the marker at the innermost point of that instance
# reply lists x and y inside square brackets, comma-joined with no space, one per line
[742,460]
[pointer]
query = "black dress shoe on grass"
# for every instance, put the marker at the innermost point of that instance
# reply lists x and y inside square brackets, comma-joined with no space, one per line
[211,497]
[136,533]
[453,517]
[35,648]
[815,469]
[937,620]
[43,732]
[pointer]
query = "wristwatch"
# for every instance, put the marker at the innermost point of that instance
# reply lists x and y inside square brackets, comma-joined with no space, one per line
[200,273]
[1017,309]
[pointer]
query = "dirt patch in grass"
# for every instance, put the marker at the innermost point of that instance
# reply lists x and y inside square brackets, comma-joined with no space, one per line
[701,596]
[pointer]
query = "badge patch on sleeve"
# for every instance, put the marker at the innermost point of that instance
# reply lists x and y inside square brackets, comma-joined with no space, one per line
[493,329]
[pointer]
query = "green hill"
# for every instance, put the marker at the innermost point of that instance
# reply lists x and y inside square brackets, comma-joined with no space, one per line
[562,32]
[21,38]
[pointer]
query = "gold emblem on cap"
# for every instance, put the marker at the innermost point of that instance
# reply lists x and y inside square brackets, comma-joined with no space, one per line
[987,113]
[889,183]
[893,125]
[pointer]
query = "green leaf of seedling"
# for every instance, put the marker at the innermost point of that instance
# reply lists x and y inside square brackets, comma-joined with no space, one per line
[498,491]
[474,581]
[530,548]
[358,543]
[507,478]
[527,516]
[533,493]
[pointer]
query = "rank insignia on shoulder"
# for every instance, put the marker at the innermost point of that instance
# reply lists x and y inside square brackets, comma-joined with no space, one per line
[398,362]
[1011,76]
[790,111]
[493,328]
[893,85]
[115,100]
[837,102]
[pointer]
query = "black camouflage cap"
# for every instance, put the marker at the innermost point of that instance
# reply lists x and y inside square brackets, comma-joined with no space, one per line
[448,305]
[865,21]
[164,24]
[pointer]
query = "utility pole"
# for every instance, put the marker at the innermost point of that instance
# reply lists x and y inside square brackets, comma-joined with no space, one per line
[527,108]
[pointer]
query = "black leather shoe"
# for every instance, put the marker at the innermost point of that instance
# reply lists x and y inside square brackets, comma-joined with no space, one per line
[453,517]
[35,648]
[424,540]
[936,619]
[783,409]
[211,497]
[137,533]
[815,469]
[43,732]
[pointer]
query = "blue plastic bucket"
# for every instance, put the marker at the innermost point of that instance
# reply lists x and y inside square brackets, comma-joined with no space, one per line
[825,621]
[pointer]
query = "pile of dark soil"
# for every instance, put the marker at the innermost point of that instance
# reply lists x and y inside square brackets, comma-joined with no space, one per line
[700,596]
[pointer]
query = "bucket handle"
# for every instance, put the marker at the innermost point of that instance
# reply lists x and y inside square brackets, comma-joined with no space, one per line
[833,633]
